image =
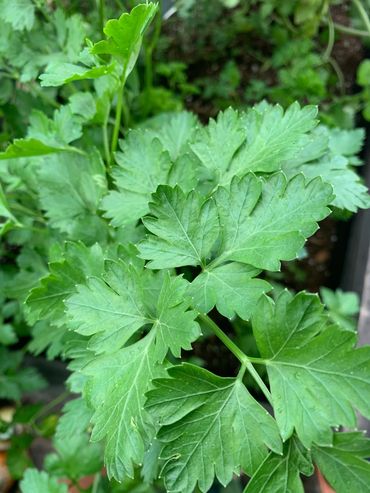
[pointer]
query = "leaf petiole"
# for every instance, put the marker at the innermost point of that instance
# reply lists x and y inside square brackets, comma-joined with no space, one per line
[245,360]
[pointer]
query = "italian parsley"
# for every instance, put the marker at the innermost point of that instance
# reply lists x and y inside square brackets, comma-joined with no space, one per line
[152,239]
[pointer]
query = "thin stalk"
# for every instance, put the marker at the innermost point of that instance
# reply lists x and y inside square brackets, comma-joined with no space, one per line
[238,353]
[102,15]
[339,74]
[96,482]
[351,30]
[106,139]
[117,122]
[363,14]
[246,361]
[259,382]
[331,39]
[149,48]
[50,405]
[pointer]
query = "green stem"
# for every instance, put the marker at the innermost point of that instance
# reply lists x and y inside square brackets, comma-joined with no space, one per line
[238,353]
[245,360]
[339,74]
[351,30]
[117,122]
[95,485]
[60,398]
[102,15]
[259,382]
[331,39]
[106,139]
[363,14]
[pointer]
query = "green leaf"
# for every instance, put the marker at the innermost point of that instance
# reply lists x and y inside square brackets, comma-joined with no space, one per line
[83,104]
[16,380]
[263,222]
[112,309]
[9,220]
[35,481]
[272,136]
[174,130]
[142,166]
[230,287]
[350,193]
[74,213]
[74,421]
[46,301]
[342,307]
[217,143]
[185,226]
[59,73]
[59,131]
[125,35]
[281,473]
[195,410]
[346,142]
[363,73]
[19,13]
[344,464]
[63,462]
[316,375]
[8,335]
[116,392]
[32,147]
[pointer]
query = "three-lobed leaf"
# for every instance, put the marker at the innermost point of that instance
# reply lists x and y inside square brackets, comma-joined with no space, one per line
[316,375]
[111,311]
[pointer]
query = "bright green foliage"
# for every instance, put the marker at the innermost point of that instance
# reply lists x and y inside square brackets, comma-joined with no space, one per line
[142,166]
[281,473]
[62,73]
[40,482]
[111,310]
[147,159]
[185,229]
[217,143]
[175,131]
[232,287]
[210,426]
[126,299]
[363,80]
[75,212]
[115,389]
[125,36]
[121,255]
[344,464]
[8,219]
[250,229]
[266,127]
[47,136]
[331,154]
[30,147]
[46,301]
[302,354]
[74,421]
